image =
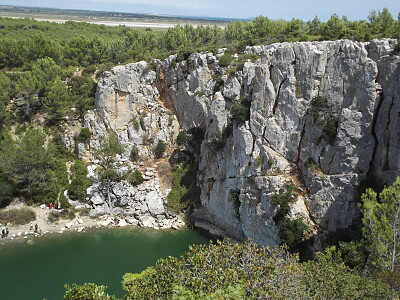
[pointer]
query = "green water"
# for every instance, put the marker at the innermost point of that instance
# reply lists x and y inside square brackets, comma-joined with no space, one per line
[102,256]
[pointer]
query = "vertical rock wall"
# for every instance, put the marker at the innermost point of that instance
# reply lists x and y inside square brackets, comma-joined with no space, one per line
[326,150]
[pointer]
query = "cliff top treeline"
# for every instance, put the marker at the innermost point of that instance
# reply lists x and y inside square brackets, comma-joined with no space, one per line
[83,44]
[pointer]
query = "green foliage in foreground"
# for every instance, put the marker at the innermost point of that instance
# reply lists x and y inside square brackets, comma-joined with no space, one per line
[87,291]
[229,270]
[17,216]
[376,247]
[382,226]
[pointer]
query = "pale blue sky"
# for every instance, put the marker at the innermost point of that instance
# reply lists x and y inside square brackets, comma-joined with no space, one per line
[274,9]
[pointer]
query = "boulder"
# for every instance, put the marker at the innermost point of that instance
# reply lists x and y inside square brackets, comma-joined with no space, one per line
[146,221]
[99,210]
[154,203]
[97,199]
[132,221]
[116,211]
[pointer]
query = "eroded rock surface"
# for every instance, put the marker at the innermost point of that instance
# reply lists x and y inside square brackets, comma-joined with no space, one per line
[326,148]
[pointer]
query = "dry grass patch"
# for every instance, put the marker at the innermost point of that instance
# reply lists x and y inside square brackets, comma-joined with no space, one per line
[17,216]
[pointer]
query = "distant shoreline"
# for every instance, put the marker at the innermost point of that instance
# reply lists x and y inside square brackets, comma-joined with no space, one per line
[133,24]
[107,18]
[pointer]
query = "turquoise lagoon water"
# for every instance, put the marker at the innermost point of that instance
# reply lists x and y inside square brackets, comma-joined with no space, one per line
[39,271]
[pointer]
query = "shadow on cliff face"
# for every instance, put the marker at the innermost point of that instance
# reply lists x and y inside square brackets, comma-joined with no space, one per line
[347,213]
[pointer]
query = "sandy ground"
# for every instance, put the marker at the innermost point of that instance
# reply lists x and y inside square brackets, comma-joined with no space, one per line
[79,224]
[114,22]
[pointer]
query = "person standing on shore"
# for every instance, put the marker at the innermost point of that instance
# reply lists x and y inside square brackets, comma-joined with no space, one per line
[51,205]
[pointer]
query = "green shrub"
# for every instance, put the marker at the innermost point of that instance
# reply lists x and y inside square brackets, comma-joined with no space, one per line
[147,139]
[184,54]
[183,138]
[160,149]
[292,232]
[259,161]
[244,58]
[134,153]
[219,84]
[396,49]
[271,161]
[330,128]
[17,216]
[327,277]
[178,190]
[225,60]
[135,178]
[87,291]
[184,190]
[240,111]
[192,63]
[299,92]
[20,129]
[234,198]
[135,123]
[261,272]
[200,93]
[79,182]
[283,199]
[68,214]
[65,214]
[89,70]
[84,135]
[232,71]
[151,66]
[103,68]
[215,141]
[309,163]
[318,105]
[63,200]
[110,175]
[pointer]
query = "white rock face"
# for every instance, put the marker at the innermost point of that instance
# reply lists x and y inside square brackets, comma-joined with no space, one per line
[284,134]
[326,150]
[155,203]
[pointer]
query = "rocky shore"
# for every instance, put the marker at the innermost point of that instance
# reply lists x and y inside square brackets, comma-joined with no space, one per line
[82,223]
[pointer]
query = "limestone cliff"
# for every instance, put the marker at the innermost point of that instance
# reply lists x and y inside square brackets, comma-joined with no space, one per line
[324,115]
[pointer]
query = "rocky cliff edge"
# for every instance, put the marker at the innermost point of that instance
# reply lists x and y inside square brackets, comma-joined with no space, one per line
[323,115]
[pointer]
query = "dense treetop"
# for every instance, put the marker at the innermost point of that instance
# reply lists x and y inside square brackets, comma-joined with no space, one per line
[79,43]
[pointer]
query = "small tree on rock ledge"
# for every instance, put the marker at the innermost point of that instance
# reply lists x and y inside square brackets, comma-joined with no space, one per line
[106,153]
[160,149]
